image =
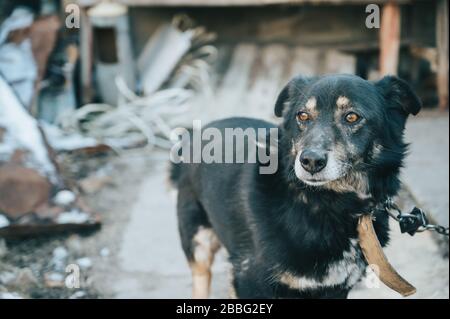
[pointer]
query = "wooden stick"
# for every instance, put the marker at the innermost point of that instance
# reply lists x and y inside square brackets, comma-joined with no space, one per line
[389,38]
[373,252]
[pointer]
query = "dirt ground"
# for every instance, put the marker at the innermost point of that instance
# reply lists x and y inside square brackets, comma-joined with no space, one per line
[137,253]
[26,264]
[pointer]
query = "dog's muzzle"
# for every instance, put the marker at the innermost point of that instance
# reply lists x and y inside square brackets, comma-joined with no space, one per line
[317,167]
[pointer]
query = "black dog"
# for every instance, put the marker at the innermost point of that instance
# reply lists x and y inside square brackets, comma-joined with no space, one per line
[292,234]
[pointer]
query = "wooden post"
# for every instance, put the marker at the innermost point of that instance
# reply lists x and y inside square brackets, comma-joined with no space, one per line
[389,38]
[442,48]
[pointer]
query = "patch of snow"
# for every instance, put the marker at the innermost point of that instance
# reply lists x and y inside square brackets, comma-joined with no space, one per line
[104,252]
[7,277]
[4,222]
[60,255]
[64,198]
[73,217]
[22,131]
[54,276]
[84,262]
[79,294]
[129,141]
[10,295]
[54,279]
[61,141]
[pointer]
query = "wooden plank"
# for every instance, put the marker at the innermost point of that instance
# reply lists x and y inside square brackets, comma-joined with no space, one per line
[442,46]
[337,28]
[311,62]
[267,80]
[336,62]
[304,62]
[389,38]
[234,85]
[219,3]
[229,84]
[37,229]
[160,56]
[257,74]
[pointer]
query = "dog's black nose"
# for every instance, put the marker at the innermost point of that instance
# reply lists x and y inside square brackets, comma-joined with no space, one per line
[313,161]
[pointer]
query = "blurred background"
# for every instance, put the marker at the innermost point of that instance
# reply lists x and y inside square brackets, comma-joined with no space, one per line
[90,91]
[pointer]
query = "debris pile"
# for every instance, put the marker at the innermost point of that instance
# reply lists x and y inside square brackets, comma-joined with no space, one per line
[58,268]
[172,73]
[174,70]
[34,198]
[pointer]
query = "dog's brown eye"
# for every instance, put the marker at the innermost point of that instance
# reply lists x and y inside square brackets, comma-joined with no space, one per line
[352,117]
[302,116]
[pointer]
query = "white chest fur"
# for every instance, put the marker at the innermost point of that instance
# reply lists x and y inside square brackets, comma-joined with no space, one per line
[346,271]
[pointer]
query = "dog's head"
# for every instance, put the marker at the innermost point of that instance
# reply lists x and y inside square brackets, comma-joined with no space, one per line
[339,125]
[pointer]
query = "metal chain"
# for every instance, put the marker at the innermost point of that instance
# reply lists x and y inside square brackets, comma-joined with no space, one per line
[437,228]
[389,205]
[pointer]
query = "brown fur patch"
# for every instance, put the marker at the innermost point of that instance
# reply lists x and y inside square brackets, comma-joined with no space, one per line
[355,182]
[206,245]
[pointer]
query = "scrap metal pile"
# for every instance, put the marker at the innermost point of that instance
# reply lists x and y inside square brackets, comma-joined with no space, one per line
[35,198]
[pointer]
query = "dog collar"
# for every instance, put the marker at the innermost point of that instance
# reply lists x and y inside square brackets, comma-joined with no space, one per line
[377,260]
[411,223]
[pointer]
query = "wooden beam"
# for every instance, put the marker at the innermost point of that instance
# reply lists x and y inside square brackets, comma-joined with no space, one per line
[389,38]
[442,47]
[221,3]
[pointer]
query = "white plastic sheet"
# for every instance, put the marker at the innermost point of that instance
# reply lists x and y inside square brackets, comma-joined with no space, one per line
[17,63]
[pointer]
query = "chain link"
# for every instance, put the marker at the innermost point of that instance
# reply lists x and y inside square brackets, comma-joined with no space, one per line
[389,205]
[438,229]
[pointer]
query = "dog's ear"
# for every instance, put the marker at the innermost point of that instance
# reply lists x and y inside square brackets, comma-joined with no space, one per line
[399,95]
[293,88]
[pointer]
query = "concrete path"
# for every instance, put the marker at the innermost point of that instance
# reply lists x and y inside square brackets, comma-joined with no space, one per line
[152,265]
[426,169]
[151,262]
